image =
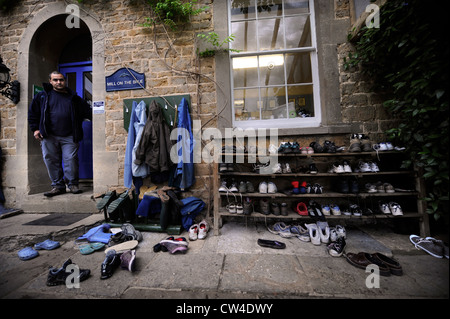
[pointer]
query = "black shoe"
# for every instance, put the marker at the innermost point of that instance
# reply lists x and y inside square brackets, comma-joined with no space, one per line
[74,189]
[58,276]
[111,262]
[55,191]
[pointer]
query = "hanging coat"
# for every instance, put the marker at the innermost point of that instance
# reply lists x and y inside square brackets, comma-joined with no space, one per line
[155,144]
[141,170]
[184,173]
[128,172]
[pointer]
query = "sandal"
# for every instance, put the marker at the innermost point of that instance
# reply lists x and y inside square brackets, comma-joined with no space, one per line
[106,200]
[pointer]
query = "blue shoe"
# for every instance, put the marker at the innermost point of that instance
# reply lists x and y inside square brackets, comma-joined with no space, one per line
[27,253]
[47,245]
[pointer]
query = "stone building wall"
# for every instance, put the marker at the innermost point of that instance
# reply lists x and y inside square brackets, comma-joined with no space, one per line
[171,67]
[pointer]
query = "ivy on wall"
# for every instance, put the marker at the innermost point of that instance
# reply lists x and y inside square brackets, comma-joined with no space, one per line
[408,56]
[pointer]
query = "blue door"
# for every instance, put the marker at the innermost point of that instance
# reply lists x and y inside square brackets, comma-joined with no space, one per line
[79,79]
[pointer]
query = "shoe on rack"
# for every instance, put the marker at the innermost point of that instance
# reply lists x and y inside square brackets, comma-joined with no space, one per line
[284,209]
[384,207]
[223,186]
[355,144]
[428,245]
[248,206]
[233,187]
[354,187]
[242,187]
[326,210]
[313,169]
[346,167]
[355,210]
[329,147]
[336,249]
[264,206]
[343,186]
[316,147]
[271,188]
[128,260]
[395,209]
[109,265]
[335,210]
[277,169]
[262,188]
[301,209]
[275,208]
[249,187]
[287,169]
[388,188]
[317,189]
[370,188]
[193,232]
[366,144]
[336,168]
[373,167]
[58,276]
[223,167]
[203,228]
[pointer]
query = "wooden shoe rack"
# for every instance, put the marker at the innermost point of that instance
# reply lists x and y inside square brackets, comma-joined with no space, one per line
[409,185]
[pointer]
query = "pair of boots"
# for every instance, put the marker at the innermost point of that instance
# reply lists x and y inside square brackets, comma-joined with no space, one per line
[117,207]
[170,209]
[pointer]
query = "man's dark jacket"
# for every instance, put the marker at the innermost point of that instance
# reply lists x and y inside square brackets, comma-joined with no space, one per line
[38,113]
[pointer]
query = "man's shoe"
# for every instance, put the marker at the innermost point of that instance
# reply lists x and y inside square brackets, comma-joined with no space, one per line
[110,264]
[74,189]
[58,276]
[55,191]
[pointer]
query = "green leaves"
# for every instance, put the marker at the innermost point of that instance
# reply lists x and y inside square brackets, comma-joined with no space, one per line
[408,57]
[172,12]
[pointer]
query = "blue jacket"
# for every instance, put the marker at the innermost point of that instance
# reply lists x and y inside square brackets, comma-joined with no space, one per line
[184,173]
[38,113]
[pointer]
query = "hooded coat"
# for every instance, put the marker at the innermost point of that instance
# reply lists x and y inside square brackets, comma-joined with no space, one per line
[155,144]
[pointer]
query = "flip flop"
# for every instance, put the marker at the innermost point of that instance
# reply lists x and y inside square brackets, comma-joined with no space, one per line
[27,253]
[47,245]
[87,249]
[120,248]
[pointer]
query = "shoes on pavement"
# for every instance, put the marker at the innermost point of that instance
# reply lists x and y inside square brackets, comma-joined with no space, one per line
[128,260]
[58,276]
[429,245]
[109,265]
[203,229]
[336,248]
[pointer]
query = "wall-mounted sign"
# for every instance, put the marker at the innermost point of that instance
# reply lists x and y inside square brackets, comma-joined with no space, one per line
[125,79]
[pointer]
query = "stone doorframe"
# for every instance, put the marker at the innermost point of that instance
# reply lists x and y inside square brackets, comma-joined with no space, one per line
[19,165]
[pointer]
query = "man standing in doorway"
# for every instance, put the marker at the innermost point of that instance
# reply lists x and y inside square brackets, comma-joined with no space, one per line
[55,117]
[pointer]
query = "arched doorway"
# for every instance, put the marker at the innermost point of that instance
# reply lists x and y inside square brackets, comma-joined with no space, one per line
[54,46]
